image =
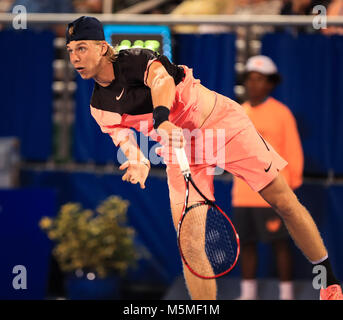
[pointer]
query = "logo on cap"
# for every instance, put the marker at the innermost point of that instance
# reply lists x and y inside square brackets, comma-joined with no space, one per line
[71,30]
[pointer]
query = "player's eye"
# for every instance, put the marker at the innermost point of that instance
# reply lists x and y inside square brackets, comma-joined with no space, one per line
[82,49]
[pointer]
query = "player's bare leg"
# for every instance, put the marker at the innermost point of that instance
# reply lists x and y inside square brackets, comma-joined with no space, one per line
[199,289]
[297,219]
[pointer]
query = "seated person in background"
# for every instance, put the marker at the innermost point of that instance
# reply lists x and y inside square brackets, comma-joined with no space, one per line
[256,7]
[4,7]
[88,6]
[203,7]
[335,8]
[266,7]
[301,7]
[47,6]
[58,6]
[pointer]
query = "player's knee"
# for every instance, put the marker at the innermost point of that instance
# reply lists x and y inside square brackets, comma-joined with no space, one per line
[281,197]
[192,250]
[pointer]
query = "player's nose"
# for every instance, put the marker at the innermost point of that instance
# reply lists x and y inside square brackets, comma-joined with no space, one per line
[74,58]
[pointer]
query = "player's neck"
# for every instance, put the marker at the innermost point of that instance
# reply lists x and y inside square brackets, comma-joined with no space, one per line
[106,74]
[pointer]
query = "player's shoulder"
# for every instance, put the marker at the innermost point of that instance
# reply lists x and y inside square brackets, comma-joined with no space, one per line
[136,52]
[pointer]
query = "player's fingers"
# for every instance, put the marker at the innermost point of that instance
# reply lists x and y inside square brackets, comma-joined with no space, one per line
[142,185]
[124,165]
[126,177]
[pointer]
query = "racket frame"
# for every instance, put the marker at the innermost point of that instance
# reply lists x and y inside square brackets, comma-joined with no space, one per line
[188,179]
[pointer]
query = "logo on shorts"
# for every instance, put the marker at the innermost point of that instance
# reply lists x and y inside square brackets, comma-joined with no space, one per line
[266,170]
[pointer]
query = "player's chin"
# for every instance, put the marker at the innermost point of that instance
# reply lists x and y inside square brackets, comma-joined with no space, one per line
[85,75]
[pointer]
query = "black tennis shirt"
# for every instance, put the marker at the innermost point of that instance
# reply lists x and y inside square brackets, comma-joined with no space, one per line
[128,93]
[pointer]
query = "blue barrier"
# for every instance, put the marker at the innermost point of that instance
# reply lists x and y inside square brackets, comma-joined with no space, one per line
[22,243]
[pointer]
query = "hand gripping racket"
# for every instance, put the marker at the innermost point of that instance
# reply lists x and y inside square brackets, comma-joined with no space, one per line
[206,237]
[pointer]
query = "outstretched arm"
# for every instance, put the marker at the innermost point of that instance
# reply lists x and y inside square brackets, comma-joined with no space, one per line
[137,165]
[163,90]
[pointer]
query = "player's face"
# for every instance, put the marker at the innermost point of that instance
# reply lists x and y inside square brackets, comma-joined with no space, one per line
[257,85]
[85,56]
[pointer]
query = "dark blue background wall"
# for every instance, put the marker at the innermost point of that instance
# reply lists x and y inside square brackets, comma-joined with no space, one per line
[26,59]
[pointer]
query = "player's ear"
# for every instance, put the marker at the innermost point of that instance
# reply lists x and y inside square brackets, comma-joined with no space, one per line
[104,48]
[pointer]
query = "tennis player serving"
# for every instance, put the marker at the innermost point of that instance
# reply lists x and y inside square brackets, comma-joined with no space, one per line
[136,86]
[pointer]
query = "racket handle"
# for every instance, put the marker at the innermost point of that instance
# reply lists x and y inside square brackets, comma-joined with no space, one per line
[182,160]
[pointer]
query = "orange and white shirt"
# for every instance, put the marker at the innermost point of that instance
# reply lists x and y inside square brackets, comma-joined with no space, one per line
[126,102]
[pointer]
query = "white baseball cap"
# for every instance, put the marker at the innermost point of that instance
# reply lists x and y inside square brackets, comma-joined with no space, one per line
[261,64]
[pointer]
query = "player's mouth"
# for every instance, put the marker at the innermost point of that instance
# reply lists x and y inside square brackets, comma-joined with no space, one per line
[80,69]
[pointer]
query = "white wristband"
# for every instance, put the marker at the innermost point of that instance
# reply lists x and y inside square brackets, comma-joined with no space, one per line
[146,162]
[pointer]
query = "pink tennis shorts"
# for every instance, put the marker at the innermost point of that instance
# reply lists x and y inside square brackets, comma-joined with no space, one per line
[227,140]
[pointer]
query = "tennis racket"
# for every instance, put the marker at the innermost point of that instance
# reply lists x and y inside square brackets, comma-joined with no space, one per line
[206,237]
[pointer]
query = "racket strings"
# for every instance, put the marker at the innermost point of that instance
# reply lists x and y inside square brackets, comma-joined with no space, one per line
[220,245]
[207,241]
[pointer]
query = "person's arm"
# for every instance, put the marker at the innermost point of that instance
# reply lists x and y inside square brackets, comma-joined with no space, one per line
[132,151]
[137,165]
[163,90]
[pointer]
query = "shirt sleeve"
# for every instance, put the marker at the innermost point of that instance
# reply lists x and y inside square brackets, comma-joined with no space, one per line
[133,64]
[293,150]
[110,123]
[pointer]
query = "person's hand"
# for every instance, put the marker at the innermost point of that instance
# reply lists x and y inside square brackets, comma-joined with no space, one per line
[171,135]
[137,172]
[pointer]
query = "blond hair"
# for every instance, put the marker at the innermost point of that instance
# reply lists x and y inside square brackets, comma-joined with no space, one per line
[111,53]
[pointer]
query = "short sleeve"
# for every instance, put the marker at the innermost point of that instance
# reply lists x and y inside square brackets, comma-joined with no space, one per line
[110,123]
[133,63]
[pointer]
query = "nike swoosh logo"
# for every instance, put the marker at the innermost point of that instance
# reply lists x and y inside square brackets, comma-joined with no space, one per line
[118,97]
[266,170]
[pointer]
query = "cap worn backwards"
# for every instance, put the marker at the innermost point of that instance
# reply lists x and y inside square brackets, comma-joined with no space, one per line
[85,28]
[261,64]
